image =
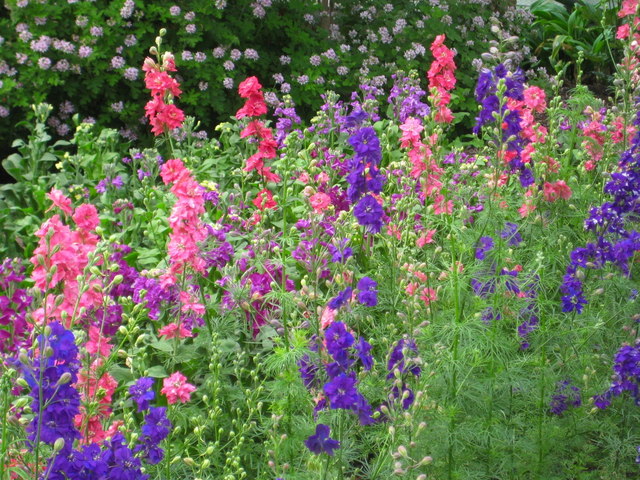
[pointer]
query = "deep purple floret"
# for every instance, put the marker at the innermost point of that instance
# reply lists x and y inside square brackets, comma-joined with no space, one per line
[321,442]
[368,295]
[341,299]
[141,392]
[485,244]
[369,213]
[342,392]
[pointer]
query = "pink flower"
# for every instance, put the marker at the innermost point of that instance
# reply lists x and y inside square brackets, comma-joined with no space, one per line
[264,200]
[86,216]
[535,99]
[442,206]
[425,238]
[98,343]
[173,170]
[248,87]
[628,8]
[254,107]
[60,200]
[190,304]
[428,295]
[172,331]
[327,318]
[553,191]
[320,201]
[411,129]
[159,82]
[177,389]
[623,31]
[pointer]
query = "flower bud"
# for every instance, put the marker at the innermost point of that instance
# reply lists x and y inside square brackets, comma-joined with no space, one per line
[64,379]
[58,444]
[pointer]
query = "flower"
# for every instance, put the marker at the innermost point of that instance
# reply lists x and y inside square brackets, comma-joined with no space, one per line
[366,144]
[60,200]
[177,389]
[86,216]
[264,200]
[172,331]
[142,393]
[484,245]
[321,442]
[341,391]
[369,213]
[155,429]
[319,202]
[368,295]
[342,298]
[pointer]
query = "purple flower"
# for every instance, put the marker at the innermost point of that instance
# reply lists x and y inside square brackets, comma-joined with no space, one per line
[142,393]
[485,244]
[510,234]
[342,299]
[338,340]
[321,442]
[341,391]
[565,395]
[308,371]
[60,402]
[367,295]
[397,358]
[366,144]
[363,349]
[369,213]
[155,429]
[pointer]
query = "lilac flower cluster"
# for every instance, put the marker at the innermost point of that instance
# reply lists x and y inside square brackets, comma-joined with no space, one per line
[626,368]
[113,459]
[312,235]
[616,243]
[341,388]
[103,184]
[364,177]
[526,288]
[565,395]
[487,94]
[402,362]
[50,377]
[367,294]
[14,330]
[287,117]
[223,252]
[406,97]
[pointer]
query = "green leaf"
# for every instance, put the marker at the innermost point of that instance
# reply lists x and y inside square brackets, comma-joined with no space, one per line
[163,346]
[121,374]
[157,371]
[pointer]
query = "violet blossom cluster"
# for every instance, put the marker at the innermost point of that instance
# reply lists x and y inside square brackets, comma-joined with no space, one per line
[406,98]
[287,117]
[14,305]
[510,123]
[402,364]
[50,376]
[566,395]
[626,369]
[364,176]
[616,242]
[515,285]
[340,389]
[114,460]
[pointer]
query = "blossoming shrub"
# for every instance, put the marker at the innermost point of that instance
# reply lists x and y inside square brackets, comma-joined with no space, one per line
[83,57]
[356,297]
